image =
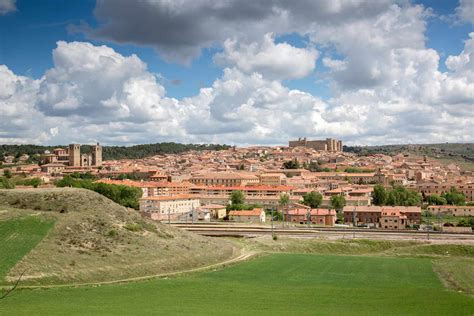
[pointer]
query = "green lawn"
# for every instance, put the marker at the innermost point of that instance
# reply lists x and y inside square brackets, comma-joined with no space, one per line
[17,237]
[274,284]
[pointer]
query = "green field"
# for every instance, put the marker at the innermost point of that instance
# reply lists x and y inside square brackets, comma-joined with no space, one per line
[272,284]
[17,237]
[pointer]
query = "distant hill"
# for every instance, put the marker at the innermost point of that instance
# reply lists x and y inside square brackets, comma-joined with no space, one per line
[93,239]
[115,152]
[461,153]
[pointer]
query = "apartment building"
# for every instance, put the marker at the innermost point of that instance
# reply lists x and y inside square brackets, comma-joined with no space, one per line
[162,208]
[372,215]
[272,179]
[319,216]
[393,219]
[429,188]
[151,188]
[224,179]
[453,210]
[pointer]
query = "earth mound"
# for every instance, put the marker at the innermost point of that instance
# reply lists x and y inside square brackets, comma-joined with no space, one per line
[94,240]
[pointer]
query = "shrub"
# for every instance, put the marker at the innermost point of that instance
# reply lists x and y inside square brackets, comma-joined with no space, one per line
[133,227]
[112,233]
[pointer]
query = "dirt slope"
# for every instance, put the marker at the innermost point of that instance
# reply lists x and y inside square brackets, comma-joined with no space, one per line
[95,239]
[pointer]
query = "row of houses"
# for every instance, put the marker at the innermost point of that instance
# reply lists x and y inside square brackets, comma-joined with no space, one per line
[164,208]
[387,217]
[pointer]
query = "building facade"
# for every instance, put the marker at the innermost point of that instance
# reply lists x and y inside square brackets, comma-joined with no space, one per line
[72,156]
[329,144]
[255,216]
[372,215]
[453,210]
[168,207]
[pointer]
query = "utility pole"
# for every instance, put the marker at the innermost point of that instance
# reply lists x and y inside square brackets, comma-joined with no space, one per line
[354,219]
[308,217]
[272,222]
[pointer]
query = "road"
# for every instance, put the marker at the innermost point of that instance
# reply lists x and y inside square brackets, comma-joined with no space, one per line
[219,229]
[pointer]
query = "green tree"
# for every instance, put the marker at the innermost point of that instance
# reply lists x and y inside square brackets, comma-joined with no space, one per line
[7,173]
[291,164]
[313,166]
[237,197]
[124,195]
[284,201]
[454,197]
[435,199]
[401,196]
[380,195]
[313,199]
[466,222]
[338,202]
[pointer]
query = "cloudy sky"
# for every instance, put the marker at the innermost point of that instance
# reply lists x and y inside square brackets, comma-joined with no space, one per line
[236,72]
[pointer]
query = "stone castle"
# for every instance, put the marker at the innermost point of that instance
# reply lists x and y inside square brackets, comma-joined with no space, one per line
[72,156]
[329,144]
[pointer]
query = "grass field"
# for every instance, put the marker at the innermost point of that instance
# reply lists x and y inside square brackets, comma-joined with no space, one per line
[17,237]
[273,284]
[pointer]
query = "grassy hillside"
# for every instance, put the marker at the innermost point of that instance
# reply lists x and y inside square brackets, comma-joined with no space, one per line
[17,237]
[276,284]
[94,239]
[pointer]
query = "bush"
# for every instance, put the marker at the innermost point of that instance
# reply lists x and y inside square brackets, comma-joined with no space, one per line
[6,183]
[133,227]
[34,182]
[112,233]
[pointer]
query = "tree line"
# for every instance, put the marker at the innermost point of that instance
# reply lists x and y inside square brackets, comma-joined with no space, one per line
[112,152]
[395,196]
[121,194]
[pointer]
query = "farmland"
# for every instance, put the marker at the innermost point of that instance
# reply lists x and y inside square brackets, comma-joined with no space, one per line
[61,237]
[18,236]
[271,284]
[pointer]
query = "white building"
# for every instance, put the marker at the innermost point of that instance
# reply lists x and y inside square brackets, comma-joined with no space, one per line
[168,207]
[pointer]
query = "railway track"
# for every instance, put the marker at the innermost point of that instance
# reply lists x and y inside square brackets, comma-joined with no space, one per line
[251,230]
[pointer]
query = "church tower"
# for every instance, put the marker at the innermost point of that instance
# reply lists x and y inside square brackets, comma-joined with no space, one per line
[75,155]
[97,155]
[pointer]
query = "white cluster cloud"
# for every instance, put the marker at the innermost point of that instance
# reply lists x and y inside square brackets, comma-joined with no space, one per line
[20,121]
[7,6]
[278,61]
[98,82]
[465,11]
[386,85]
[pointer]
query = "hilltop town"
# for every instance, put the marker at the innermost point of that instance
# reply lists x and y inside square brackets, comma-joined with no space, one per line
[199,185]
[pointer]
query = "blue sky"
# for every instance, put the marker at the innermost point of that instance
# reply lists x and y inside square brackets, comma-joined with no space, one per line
[29,35]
